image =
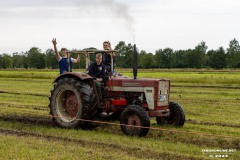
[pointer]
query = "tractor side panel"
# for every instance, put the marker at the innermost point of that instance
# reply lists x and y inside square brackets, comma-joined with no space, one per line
[146,86]
[149,94]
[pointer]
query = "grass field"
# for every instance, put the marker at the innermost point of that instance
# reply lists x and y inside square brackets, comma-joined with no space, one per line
[211,100]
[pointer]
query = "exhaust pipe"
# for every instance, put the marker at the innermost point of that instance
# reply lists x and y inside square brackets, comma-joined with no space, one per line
[134,61]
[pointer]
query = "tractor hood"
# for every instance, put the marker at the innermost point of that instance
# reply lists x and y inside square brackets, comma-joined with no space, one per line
[130,82]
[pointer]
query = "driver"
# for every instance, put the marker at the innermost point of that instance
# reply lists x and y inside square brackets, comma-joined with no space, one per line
[98,71]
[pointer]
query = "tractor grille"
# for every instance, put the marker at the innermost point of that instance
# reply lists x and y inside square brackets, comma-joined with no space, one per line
[163,92]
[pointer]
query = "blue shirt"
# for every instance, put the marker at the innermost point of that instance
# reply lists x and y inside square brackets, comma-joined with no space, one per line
[63,64]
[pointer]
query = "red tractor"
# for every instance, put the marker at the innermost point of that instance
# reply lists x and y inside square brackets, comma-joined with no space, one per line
[74,98]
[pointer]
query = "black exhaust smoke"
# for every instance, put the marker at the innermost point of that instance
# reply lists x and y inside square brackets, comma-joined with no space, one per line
[134,61]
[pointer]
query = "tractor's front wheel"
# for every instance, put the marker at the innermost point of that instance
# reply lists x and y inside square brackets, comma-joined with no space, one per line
[137,118]
[176,118]
[72,101]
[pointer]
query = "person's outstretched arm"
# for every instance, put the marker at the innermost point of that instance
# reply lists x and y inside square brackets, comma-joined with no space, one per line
[77,60]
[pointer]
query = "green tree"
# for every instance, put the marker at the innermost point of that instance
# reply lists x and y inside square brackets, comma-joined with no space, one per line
[6,61]
[50,59]
[233,54]
[124,58]
[26,63]
[1,61]
[128,58]
[17,60]
[121,49]
[157,58]
[140,58]
[36,58]
[217,59]
[180,57]
[197,57]
[164,58]
[147,60]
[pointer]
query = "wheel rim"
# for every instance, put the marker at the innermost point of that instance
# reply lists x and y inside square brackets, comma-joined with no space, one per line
[72,104]
[172,119]
[67,105]
[134,121]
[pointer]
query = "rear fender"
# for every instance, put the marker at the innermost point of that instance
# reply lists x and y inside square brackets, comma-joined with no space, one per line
[79,75]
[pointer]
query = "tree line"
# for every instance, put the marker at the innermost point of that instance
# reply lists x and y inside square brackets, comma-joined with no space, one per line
[198,57]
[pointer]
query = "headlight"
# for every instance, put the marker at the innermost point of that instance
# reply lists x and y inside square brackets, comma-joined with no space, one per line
[162,98]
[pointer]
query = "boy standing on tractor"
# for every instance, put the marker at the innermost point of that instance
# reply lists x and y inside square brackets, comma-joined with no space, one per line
[65,61]
[107,57]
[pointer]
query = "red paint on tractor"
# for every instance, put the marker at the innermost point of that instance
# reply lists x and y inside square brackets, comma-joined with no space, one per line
[145,105]
[119,102]
[162,107]
[156,89]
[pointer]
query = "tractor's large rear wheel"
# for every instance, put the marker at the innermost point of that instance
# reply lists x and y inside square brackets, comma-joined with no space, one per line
[137,118]
[72,101]
[176,118]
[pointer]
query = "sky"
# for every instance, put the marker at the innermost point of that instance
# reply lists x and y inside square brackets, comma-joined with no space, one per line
[150,24]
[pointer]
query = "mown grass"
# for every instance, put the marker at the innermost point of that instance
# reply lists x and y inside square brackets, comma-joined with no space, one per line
[26,86]
[35,148]
[107,143]
[210,100]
